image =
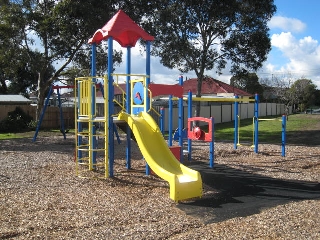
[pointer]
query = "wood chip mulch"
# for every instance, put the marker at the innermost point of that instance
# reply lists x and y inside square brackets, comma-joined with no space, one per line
[42,198]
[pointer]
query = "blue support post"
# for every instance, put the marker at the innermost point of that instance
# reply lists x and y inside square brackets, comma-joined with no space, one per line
[162,118]
[212,144]
[128,107]
[93,105]
[189,116]
[236,121]
[148,61]
[61,115]
[80,129]
[147,98]
[110,106]
[181,121]
[170,121]
[256,123]
[42,114]
[283,142]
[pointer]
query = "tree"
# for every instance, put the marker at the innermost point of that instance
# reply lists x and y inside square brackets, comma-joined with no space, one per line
[51,31]
[11,54]
[203,35]
[303,92]
[248,82]
[317,98]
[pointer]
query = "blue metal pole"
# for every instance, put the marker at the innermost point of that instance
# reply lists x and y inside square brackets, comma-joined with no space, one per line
[61,115]
[162,117]
[148,62]
[212,144]
[236,121]
[146,95]
[93,104]
[189,116]
[79,124]
[42,114]
[110,106]
[256,123]
[128,107]
[283,142]
[170,121]
[181,121]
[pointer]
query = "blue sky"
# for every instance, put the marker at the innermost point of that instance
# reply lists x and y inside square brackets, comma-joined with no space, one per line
[295,36]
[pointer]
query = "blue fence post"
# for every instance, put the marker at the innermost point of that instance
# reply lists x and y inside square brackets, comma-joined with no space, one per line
[236,121]
[212,144]
[283,142]
[256,123]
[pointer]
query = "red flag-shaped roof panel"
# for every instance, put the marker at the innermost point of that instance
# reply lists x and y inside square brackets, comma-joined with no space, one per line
[123,29]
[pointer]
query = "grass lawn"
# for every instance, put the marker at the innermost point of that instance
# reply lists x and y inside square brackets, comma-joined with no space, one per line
[298,126]
[301,129]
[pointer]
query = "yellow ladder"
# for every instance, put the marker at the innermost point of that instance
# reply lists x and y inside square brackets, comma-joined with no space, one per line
[91,157]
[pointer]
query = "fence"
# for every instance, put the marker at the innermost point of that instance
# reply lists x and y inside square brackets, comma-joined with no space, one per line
[222,112]
[51,119]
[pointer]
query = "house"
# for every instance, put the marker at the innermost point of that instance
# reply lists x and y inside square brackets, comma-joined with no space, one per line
[213,88]
[14,100]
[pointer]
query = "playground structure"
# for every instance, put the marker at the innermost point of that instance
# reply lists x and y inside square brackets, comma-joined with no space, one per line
[195,133]
[95,148]
[91,154]
[62,127]
[255,127]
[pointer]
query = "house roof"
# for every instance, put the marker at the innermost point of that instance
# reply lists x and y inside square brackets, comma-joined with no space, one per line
[14,99]
[211,86]
[123,29]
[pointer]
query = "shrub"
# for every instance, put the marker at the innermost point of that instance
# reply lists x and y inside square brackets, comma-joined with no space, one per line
[16,121]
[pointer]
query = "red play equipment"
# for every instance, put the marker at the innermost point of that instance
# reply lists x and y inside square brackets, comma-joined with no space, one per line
[195,133]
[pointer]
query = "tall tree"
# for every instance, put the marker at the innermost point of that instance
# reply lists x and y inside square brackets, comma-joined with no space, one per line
[11,54]
[51,32]
[203,35]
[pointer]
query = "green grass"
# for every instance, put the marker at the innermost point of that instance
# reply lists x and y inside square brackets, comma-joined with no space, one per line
[30,134]
[301,129]
[9,136]
[269,131]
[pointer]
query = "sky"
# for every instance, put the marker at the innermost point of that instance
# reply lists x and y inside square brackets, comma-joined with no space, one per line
[295,54]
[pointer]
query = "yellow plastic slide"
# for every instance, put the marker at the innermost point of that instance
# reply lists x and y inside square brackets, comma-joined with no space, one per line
[184,182]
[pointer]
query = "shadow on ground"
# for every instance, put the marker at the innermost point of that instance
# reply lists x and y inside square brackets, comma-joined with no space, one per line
[236,193]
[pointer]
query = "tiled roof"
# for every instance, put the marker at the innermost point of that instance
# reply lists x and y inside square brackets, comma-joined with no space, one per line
[211,86]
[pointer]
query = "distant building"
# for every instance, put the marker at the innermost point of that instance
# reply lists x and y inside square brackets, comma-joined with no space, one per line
[14,100]
[213,88]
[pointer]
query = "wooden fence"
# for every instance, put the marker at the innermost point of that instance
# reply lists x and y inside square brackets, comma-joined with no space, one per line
[51,119]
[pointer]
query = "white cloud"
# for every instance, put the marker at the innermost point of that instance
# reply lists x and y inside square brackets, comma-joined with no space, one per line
[287,24]
[303,56]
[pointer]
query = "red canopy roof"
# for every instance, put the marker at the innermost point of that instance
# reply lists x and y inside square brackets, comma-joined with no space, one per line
[123,29]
